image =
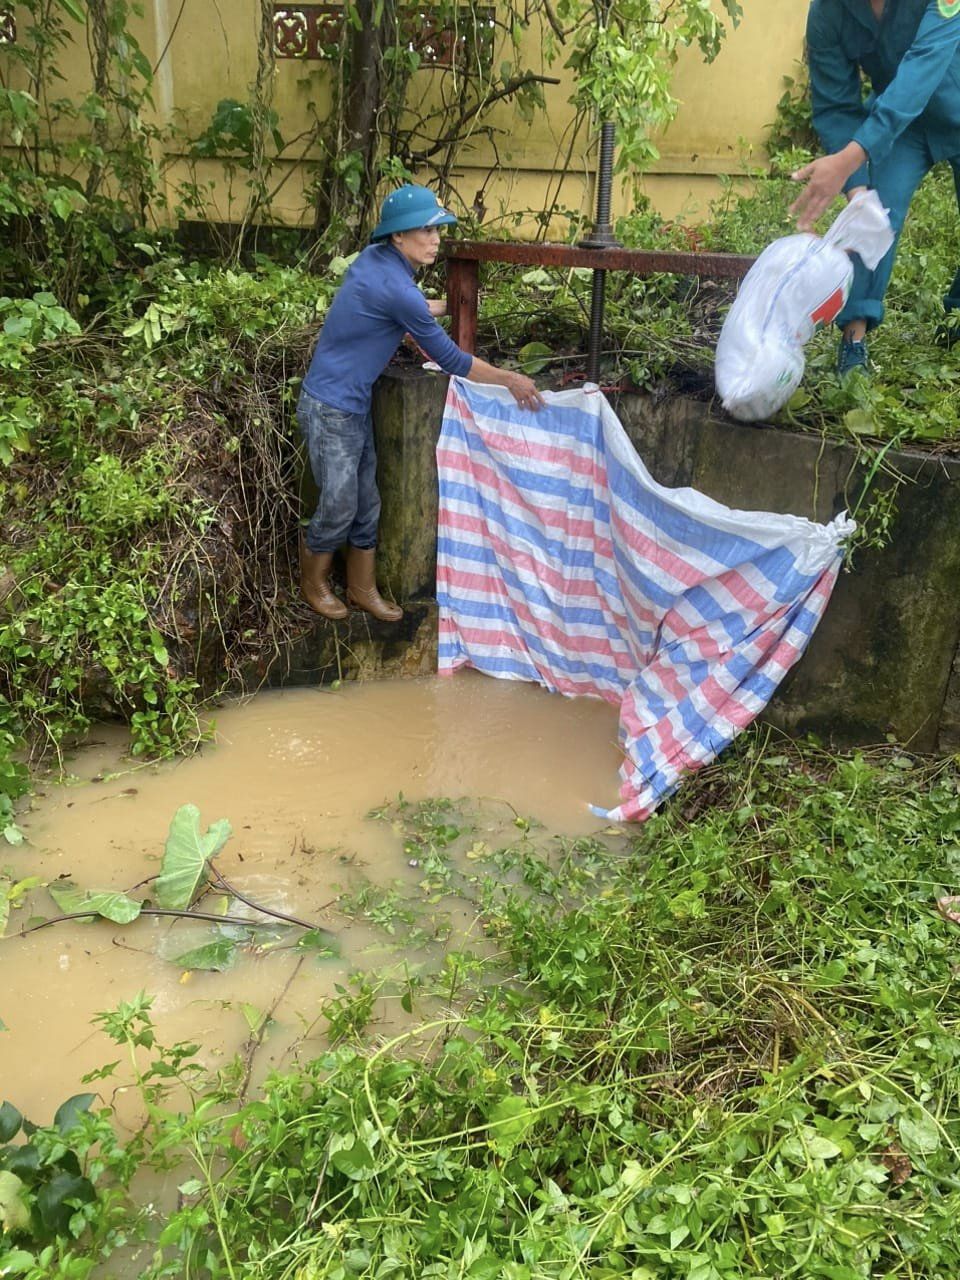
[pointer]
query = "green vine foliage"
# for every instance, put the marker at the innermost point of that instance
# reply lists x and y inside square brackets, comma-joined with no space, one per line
[623,55]
[154,488]
[397,115]
[64,156]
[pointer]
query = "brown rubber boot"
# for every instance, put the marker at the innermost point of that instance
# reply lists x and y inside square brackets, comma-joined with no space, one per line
[362,590]
[315,584]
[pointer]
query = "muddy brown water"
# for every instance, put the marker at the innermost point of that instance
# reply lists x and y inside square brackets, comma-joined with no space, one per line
[295,773]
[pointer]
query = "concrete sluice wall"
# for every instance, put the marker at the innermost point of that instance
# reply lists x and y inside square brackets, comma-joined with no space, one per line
[886,657]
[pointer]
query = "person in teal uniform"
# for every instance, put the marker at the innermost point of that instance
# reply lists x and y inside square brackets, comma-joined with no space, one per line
[910,50]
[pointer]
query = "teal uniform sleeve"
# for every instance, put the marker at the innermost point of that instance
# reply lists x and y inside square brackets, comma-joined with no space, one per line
[919,75]
[414,314]
[835,87]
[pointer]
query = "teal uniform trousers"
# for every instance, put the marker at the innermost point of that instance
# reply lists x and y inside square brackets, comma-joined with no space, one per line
[909,121]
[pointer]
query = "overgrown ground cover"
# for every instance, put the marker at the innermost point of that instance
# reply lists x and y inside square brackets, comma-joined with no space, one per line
[724,1047]
[148,501]
[149,495]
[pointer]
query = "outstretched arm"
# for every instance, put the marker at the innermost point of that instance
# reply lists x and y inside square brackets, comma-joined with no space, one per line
[852,134]
[523,389]
[418,316]
[825,179]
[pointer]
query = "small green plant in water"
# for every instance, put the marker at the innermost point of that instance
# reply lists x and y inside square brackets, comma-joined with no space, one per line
[187,873]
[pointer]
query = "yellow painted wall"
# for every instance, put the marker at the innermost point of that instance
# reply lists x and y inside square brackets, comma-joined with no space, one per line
[719,130]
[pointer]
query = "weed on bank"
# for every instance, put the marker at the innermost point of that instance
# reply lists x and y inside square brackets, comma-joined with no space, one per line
[725,1047]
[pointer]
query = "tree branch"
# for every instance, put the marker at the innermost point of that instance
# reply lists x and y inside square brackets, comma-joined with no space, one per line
[269,911]
[505,91]
[554,21]
[144,911]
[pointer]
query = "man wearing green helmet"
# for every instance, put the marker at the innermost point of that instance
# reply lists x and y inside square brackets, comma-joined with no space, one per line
[375,306]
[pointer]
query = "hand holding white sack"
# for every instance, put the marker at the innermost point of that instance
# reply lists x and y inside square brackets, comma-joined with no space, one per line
[798,284]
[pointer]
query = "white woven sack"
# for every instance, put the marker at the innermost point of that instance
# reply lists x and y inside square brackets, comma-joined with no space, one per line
[798,284]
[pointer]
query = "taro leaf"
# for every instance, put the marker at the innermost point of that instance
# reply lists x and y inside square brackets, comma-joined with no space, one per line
[4,903]
[14,1212]
[186,856]
[509,1121]
[52,1201]
[321,942]
[919,1133]
[23,1160]
[10,1121]
[219,955]
[111,906]
[534,357]
[69,1112]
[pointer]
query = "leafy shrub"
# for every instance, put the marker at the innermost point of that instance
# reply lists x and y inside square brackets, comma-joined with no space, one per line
[61,1203]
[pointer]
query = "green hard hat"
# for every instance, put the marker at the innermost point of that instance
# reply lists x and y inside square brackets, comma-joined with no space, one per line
[408,208]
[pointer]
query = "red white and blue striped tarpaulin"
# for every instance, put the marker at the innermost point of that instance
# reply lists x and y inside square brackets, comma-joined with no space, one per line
[561,561]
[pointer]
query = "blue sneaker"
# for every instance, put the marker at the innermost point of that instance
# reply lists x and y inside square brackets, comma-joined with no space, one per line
[850,356]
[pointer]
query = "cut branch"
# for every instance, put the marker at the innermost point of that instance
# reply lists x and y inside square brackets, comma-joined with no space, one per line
[170,911]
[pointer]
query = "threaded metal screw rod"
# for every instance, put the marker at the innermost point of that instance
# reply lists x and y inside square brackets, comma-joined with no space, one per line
[601,237]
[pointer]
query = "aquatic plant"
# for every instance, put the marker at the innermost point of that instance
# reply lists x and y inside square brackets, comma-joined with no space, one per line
[730,1051]
[724,1047]
[187,873]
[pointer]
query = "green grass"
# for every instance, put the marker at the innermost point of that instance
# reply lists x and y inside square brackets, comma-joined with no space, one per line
[726,1047]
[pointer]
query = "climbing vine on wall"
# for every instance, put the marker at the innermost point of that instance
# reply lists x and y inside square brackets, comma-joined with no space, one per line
[407,90]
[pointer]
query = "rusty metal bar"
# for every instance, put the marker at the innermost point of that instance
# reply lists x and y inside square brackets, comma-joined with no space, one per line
[463,287]
[641,262]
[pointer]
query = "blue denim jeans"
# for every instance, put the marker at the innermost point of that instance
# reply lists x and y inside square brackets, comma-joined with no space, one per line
[344,465]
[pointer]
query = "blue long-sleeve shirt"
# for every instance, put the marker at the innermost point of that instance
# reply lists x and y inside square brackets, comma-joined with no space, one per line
[375,306]
[912,56]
